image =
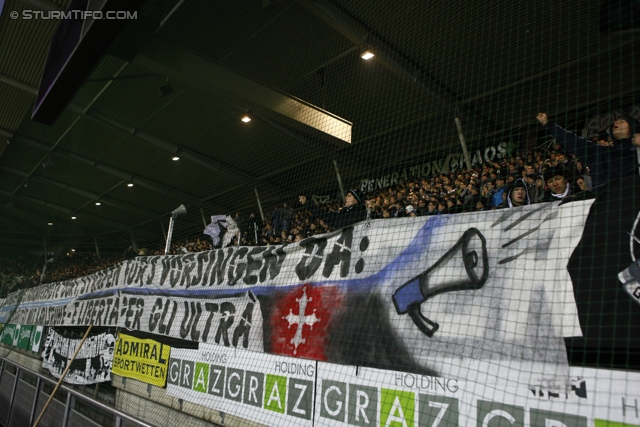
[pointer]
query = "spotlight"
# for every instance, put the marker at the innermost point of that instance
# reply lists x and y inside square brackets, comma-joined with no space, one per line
[246,118]
[130,185]
[73,217]
[367,55]
[73,250]
[175,158]
[49,223]
[98,203]
[166,89]
[179,211]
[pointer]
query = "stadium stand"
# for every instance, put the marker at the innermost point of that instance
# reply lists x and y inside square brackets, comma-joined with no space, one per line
[319,213]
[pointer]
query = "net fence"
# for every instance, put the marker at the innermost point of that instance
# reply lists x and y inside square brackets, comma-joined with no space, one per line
[429,217]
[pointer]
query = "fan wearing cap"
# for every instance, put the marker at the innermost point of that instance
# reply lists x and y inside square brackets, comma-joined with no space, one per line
[563,159]
[496,198]
[607,162]
[353,211]
[518,194]
[557,179]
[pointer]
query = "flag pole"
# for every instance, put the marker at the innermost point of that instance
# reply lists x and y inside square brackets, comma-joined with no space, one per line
[46,405]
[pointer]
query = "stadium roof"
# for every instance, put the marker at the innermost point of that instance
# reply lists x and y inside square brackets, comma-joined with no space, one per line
[191,69]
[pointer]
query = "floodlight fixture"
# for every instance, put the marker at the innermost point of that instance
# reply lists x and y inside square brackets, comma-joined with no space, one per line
[246,118]
[179,211]
[49,223]
[130,184]
[98,203]
[175,158]
[73,217]
[367,55]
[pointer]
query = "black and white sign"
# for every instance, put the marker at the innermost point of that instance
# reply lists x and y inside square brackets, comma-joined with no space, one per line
[91,365]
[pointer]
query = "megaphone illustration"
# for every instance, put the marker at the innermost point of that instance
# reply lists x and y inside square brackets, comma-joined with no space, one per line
[630,279]
[464,266]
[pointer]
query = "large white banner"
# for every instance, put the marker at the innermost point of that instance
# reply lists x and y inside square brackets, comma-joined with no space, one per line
[447,295]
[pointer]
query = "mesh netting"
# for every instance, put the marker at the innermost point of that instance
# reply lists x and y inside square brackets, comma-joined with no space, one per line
[443,232]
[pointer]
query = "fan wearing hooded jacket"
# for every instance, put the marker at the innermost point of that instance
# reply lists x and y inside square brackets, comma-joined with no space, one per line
[519,194]
[607,163]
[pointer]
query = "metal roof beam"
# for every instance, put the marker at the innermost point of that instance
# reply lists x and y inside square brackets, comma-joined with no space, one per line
[363,38]
[203,74]
[31,213]
[392,59]
[88,194]
[183,152]
[124,175]
[18,84]
[98,197]
[25,225]
[6,133]
[115,224]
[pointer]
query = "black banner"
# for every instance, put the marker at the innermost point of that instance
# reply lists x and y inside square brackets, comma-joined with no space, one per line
[604,270]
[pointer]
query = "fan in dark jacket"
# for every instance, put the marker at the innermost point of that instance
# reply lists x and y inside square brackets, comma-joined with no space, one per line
[518,194]
[606,162]
[353,211]
[558,180]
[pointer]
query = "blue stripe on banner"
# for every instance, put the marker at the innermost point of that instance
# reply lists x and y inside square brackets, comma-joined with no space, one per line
[6,311]
[196,293]
[8,308]
[416,249]
[98,294]
[47,303]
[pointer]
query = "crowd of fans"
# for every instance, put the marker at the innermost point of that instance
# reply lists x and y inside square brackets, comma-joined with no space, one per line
[16,269]
[546,173]
[22,270]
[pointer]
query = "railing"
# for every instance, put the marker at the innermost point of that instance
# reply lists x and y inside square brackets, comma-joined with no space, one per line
[21,403]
